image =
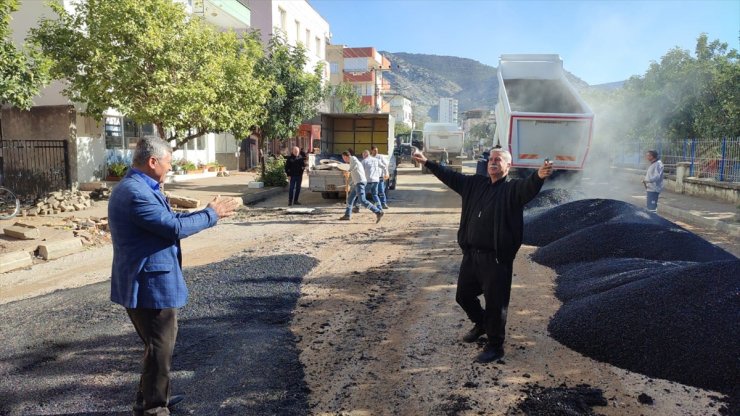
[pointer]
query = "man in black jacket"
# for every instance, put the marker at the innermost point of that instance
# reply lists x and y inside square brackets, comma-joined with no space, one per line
[294,166]
[490,234]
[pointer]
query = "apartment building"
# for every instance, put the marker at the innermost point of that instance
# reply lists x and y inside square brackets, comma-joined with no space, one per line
[363,69]
[447,110]
[80,146]
[401,110]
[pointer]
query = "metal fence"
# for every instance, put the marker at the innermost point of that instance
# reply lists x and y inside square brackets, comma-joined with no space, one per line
[708,158]
[31,168]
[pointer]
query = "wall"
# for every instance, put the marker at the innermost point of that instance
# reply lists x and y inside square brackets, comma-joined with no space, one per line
[703,188]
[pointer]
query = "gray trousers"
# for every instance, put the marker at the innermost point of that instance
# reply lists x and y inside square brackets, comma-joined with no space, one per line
[157,328]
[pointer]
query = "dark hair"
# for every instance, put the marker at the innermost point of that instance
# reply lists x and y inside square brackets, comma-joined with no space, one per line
[653,153]
[351,152]
[346,154]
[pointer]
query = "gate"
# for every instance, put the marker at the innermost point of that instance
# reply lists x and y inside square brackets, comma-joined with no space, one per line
[32,168]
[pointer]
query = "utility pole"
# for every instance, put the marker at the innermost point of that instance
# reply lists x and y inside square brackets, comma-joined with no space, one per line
[377,88]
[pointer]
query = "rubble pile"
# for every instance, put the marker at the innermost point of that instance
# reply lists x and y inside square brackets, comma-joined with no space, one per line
[58,202]
[91,230]
[642,293]
[102,193]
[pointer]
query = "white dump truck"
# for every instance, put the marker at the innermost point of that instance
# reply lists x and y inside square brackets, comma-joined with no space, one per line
[440,138]
[540,115]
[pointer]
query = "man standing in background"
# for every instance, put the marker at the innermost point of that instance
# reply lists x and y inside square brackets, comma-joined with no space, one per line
[384,176]
[653,180]
[294,167]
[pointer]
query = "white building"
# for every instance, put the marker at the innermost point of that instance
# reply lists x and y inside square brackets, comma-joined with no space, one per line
[402,111]
[447,110]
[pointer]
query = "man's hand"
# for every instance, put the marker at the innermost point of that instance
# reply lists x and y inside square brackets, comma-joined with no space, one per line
[545,170]
[419,157]
[224,207]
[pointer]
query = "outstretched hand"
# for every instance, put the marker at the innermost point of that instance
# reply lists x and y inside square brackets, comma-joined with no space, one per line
[224,207]
[419,157]
[545,170]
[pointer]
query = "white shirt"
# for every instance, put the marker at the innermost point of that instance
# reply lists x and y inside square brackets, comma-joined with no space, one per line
[372,169]
[383,165]
[356,171]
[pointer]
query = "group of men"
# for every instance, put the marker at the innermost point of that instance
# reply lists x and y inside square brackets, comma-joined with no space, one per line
[147,278]
[367,175]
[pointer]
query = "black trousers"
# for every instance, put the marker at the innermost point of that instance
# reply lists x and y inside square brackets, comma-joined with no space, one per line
[157,328]
[481,273]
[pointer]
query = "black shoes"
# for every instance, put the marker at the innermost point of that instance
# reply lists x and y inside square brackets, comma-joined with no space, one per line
[297,203]
[344,218]
[356,209]
[474,334]
[490,353]
[378,216]
[385,206]
[174,400]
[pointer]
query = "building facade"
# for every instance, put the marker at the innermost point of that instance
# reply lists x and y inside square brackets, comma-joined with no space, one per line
[447,110]
[402,111]
[362,68]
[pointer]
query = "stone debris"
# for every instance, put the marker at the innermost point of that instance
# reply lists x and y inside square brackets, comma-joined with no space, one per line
[177,201]
[59,202]
[22,231]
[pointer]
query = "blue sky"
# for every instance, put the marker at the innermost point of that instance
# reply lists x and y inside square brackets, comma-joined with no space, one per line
[599,41]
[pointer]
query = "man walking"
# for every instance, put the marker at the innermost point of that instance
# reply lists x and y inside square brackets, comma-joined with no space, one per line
[147,264]
[384,176]
[357,182]
[294,166]
[490,234]
[372,174]
[653,180]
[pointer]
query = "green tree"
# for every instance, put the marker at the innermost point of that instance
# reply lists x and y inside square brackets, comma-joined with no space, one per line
[294,95]
[157,65]
[23,71]
[401,128]
[348,100]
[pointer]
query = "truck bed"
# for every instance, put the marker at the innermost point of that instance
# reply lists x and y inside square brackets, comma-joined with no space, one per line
[541,96]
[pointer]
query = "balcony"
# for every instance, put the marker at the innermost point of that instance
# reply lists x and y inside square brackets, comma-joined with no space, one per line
[224,14]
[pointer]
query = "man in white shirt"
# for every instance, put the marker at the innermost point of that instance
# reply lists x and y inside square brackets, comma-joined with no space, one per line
[653,180]
[384,176]
[373,175]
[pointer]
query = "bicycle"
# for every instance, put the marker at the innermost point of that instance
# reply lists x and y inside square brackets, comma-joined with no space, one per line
[10,205]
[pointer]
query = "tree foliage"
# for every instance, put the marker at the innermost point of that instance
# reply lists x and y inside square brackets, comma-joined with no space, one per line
[401,128]
[22,71]
[680,96]
[157,65]
[348,100]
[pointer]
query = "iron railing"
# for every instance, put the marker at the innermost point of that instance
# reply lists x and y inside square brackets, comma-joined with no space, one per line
[32,168]
[718,159]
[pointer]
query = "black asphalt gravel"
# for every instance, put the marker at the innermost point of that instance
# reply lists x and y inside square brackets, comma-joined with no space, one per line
[547,226]
[74,352]
[642,293]
[676,323]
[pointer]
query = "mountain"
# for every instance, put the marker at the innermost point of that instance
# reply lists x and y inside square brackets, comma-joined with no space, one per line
[424,79]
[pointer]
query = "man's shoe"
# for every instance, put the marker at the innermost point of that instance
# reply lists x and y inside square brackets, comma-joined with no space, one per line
[290,204]
[378,216]
[474,334]
[344,218]
[385,206]
[356,209]
[297,203]
[490,353]
[174,400]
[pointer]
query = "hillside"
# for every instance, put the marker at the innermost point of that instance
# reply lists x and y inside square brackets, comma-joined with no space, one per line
[426,78]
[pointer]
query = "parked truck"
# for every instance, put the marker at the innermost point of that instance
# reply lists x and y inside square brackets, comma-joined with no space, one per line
[342,131]
[540,115]
[441,138]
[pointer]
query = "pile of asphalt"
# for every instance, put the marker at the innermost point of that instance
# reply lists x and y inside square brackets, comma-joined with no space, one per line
[680,323]
[564,219]
[560,401]
[553,197]
[616,239]
[585,279]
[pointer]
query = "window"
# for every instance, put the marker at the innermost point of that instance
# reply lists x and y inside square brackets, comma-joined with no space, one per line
[308,39]
[130,133]
[283,19]
[298,32]
[333,67]
[113,133]
[318,46]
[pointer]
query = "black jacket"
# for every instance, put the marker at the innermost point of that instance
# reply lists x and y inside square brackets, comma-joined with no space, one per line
[294,165]
[492,216]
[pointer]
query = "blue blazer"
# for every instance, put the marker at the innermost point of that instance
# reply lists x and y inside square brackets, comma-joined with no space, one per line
[147,261]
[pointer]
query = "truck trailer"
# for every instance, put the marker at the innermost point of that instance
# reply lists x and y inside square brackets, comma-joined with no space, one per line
[540,115]
[440,138]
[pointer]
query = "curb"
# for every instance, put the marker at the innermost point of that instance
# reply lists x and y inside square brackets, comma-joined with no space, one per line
[731,229]
[253,198]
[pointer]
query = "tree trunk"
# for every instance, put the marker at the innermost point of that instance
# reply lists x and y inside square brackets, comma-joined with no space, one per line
[262,152]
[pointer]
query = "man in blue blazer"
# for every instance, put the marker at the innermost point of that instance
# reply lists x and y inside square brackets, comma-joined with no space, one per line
[147,264]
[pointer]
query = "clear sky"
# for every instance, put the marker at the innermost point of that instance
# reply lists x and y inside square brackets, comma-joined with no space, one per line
[599,41]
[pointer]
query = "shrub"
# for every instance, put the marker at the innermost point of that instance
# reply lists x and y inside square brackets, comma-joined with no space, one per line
[274,172]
